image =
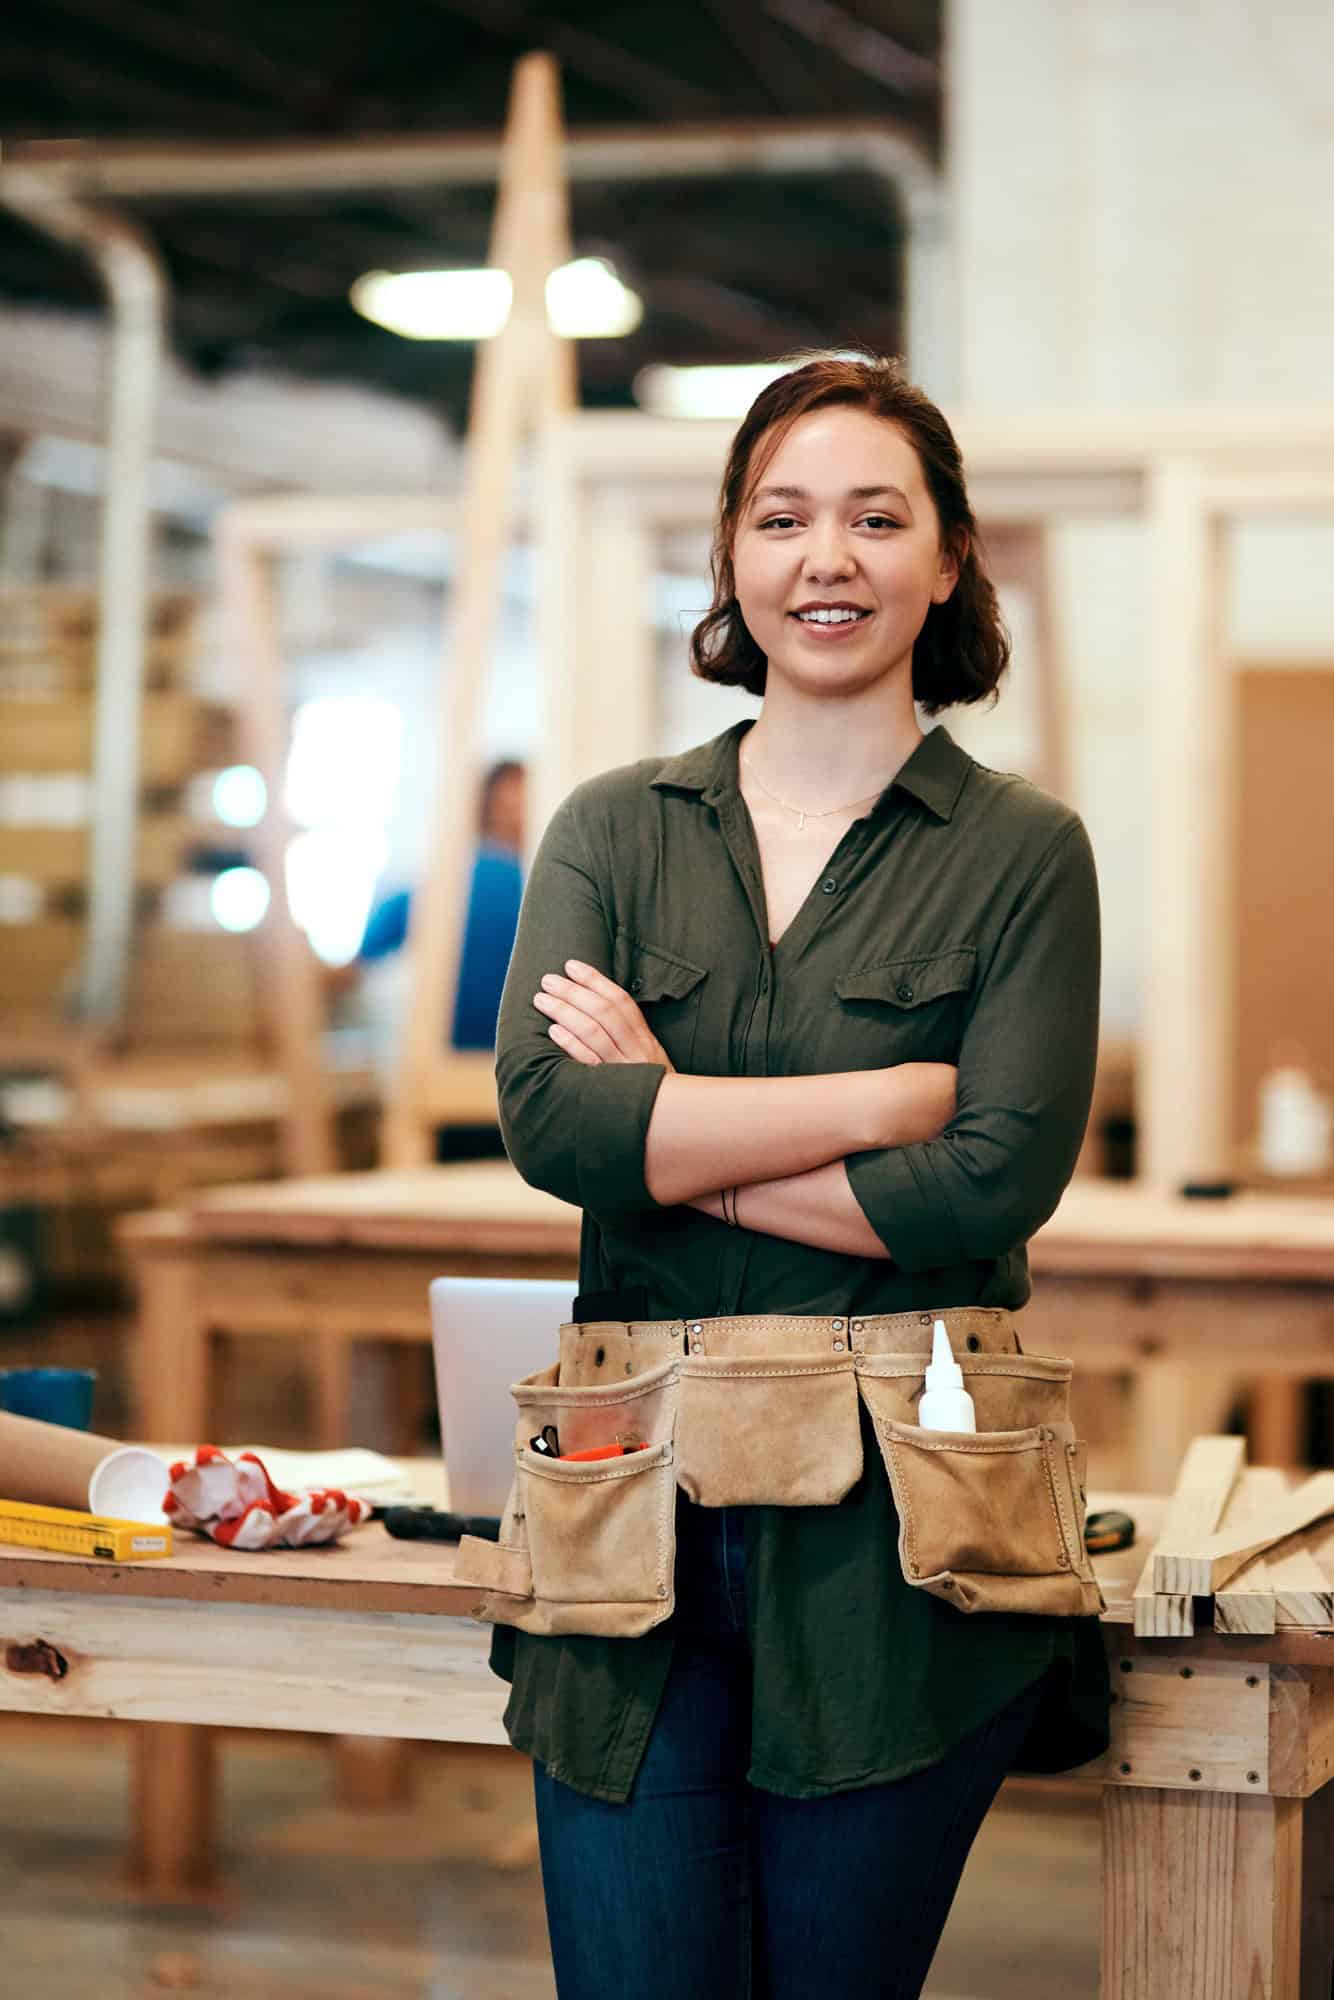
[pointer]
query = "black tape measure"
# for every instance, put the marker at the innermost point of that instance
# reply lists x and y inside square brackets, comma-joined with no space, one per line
[1108,1530]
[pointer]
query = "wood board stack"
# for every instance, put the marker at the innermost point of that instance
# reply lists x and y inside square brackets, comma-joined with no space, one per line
[1261,1547]
[48,640]
[48,659]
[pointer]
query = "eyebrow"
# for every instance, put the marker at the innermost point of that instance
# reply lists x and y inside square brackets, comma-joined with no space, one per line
[853,493]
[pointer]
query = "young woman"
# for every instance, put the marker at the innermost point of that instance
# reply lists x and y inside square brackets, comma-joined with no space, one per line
[805,1020]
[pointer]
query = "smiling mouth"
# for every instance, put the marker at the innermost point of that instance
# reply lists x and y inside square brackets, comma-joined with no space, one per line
[825,619]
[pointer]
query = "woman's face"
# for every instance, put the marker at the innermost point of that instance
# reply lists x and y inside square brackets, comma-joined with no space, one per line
[836,556]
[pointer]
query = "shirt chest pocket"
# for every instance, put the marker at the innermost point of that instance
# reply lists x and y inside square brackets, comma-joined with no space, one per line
[905,1009]
[666,988]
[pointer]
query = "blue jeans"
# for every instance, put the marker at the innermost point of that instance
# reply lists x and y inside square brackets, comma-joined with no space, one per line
[703,1887]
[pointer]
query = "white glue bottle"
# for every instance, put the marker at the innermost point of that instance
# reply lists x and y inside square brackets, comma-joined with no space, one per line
[946,1405]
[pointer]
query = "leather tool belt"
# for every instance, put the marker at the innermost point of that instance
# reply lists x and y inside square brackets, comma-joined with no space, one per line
[764,1411]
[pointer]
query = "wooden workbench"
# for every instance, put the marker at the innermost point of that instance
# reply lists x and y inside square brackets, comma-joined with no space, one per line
[1200,1301]
[1218,1805]
[1192,1297]
[338,1260]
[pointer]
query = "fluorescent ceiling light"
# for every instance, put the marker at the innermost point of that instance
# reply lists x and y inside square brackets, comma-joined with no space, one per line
[585,301]
[435,305]
[704,392]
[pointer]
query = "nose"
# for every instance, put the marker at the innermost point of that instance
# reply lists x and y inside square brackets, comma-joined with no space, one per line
[829,553]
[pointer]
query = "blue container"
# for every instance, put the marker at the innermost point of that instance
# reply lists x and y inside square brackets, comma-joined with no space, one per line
[54,1395]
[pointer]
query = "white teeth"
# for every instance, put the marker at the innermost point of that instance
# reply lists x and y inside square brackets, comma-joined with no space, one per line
[829,617]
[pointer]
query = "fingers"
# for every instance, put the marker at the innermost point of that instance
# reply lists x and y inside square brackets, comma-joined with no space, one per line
[591,1007]
[570,1044]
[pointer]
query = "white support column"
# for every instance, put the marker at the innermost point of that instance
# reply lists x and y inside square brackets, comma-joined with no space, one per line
[1183,1106]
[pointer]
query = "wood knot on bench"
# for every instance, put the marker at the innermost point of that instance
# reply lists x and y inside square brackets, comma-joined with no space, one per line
[37,1658]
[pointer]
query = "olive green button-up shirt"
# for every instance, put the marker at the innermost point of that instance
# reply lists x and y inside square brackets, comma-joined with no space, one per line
[957,922]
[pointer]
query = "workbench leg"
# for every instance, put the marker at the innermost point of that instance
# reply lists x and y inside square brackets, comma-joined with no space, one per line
[175,1809]
[375,1770]
[333,1368]
[1201,1896]
[171,1352]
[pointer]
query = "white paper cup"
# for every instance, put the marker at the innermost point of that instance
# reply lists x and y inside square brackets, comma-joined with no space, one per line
[129,1485]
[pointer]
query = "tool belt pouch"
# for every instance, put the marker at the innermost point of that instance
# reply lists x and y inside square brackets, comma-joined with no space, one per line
[768,1432]
[992,1519]
[585,1546]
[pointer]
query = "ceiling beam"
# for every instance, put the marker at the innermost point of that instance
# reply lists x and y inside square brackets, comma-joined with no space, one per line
[787,78]
[591,57]
[53,76]
[753,325]
[196,44]
[861,47]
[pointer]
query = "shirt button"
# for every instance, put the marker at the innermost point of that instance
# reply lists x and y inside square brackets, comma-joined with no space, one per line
[903,990]
[829,886]
[636,985]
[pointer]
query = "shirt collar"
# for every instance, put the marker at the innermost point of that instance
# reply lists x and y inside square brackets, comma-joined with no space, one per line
[934,774]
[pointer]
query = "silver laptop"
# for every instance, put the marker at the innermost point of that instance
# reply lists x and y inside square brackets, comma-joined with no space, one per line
[487,1332]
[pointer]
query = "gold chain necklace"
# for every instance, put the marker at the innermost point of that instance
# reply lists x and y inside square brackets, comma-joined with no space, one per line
[800,811]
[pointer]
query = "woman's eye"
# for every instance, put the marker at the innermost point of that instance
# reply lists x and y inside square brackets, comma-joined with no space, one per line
[879,521]
[779,521]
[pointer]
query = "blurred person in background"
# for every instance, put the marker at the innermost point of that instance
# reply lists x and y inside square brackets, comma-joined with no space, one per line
[494,895]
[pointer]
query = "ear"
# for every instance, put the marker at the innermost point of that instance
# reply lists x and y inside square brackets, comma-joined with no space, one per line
[952,560]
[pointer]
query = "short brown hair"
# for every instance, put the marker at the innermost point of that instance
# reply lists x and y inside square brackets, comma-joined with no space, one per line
[963,647]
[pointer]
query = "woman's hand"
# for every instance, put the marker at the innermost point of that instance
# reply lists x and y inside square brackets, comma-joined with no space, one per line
[596,1021]
[913,1102]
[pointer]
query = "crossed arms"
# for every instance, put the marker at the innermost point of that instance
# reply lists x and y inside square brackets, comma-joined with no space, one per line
[782,1140]
[920,1163]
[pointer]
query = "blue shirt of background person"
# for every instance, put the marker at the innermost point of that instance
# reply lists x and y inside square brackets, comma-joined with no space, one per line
[494,895]
[488,940]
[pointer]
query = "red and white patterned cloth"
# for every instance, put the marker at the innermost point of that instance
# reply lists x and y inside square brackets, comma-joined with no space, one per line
[234,1502]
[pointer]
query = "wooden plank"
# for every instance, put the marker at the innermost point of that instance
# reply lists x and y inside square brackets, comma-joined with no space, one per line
[290,998]
[1301,1729]
[381,1673]
[1246,1604]
[194,986]
[49,736]
[58,855]
[1197,1726]
[36,962]
[1303,1593]
[1204,1486]
[1318,1543]
[523,378]
[1199,1562]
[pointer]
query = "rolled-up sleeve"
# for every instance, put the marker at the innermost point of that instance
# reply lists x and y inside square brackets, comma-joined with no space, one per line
[1026,1065]
[574,1129]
